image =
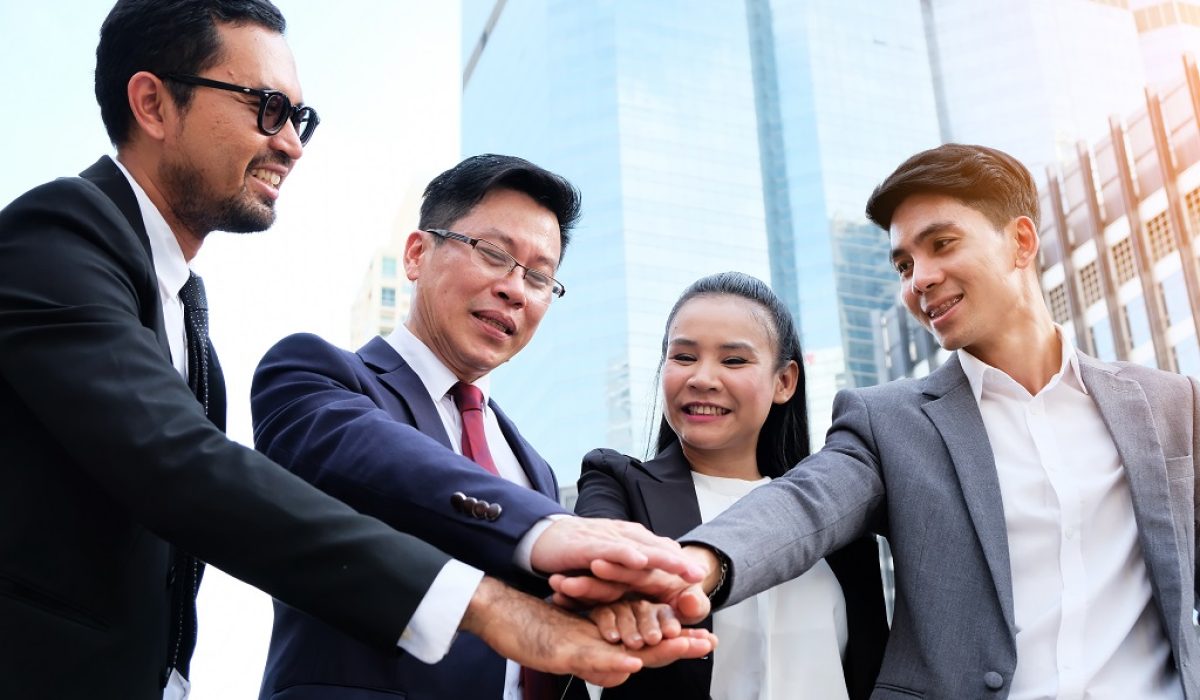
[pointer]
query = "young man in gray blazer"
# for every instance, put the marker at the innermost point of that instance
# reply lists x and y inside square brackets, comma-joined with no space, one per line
[1040,504]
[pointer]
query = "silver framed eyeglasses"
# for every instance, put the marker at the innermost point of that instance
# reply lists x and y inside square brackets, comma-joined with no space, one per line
[539,286]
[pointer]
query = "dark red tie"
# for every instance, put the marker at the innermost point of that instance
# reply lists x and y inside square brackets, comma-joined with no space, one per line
[535,685]
[469,400]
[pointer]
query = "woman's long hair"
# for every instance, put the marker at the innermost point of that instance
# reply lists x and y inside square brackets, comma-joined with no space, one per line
[783,440]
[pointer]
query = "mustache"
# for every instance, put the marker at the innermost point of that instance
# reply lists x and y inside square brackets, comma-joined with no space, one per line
[273,158]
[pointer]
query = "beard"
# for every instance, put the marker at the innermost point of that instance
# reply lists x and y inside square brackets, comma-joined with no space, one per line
[202,211]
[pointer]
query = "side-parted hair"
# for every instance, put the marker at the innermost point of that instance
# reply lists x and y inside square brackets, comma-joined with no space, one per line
[985,179]
[165,36]
[453,194]
[783,440]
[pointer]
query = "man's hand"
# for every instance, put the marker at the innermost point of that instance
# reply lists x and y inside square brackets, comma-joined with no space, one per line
[610,583]
[636,623]
[574,544]
[538,635]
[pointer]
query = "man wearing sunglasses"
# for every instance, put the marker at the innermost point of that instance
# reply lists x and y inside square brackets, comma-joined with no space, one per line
[116,480]
[483,262]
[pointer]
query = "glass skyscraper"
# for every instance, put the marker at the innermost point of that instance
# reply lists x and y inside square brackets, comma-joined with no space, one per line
[704,136]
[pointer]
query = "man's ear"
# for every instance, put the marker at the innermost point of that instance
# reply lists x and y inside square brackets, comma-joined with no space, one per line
[152,107]
[416,248]
[1025,235]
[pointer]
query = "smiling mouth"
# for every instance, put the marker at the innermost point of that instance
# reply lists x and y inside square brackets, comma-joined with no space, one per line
[495,323]
[693,409]
[941,309]
[270,177]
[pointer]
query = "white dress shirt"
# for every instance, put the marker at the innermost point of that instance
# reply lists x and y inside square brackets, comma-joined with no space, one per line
[786,642]
[1086,626]
[432,627]
[438,380]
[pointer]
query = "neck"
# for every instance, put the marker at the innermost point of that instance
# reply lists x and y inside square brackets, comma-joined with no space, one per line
[142,169]
[1029,352]
[729,465]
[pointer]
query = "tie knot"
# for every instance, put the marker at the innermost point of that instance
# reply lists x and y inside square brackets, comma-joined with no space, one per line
[192,293]
[467,397]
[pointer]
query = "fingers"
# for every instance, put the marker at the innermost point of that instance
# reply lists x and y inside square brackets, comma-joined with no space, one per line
[692,605]
[574,543]
[668,623]
[605,619]
[687,646]
[584,591]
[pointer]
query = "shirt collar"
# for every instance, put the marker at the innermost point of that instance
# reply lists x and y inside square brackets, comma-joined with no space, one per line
[170,266]
[433,373]
[981,375]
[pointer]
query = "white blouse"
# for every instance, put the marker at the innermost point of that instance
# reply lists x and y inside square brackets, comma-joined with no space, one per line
[786,642]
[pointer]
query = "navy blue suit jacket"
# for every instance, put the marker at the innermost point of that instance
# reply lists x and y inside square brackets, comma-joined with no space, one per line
[349,423]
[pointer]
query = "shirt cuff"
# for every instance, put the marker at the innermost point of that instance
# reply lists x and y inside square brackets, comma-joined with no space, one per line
[432,627]
[523,555]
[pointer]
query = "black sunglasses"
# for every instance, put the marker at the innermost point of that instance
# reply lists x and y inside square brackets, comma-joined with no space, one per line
[274,107]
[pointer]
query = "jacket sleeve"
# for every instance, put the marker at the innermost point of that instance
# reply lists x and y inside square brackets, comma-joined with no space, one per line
[76,356]
[603,486]
[312,415]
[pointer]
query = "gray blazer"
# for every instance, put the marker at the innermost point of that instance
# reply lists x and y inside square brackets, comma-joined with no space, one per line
[910,460]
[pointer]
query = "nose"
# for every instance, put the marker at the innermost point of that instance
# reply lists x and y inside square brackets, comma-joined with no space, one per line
[925,276]
[703,376]
[287,141]
[511,287]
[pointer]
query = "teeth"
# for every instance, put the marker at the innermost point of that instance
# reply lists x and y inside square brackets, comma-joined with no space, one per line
[706,410]
[943,308]
[271,178]
[495,323]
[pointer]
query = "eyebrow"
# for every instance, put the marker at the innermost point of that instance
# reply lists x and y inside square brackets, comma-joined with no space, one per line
[732,345]
[509,243]
[930,230]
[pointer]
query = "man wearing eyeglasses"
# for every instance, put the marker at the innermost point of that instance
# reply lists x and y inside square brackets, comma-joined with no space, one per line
[491,234]
[116,480]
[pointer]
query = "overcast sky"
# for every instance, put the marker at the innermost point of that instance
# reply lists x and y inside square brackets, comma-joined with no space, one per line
[384,76]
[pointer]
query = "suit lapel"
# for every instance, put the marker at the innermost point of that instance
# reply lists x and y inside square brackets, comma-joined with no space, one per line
[669,496]
[1126,412]
[404,383]
[539,473]
[956,416]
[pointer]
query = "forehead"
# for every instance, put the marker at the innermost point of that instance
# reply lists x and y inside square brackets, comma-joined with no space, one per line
[721,318]
[257,57]
[923,213]
[517,222]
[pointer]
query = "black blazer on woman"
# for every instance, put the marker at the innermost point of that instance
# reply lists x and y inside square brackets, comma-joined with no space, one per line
[661,495]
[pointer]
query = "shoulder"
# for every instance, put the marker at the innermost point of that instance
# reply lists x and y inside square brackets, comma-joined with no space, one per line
[1152,380]
[608,461]
[309,352]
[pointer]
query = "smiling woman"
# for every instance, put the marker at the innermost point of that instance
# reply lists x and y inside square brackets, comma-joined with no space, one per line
[734,418]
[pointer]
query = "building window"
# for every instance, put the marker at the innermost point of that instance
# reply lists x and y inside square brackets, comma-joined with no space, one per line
[1174,291]
[1089,283]
[1123,260]
[1137,322]
[1187,357]
[387,298]
[1058,304]
[1162,243]
[1193,208]
[388,266]
[1102,340]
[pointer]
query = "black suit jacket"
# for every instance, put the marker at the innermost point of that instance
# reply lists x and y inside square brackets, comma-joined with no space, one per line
[661,495]
[106,457]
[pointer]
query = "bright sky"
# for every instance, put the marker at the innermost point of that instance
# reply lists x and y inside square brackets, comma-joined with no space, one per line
[385,78]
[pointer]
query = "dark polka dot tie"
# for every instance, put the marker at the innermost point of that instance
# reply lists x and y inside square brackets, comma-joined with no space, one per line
[186,570]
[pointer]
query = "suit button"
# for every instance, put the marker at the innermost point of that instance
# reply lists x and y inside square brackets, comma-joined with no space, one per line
[458,499]
[993,680]
[494,511]
[479,509]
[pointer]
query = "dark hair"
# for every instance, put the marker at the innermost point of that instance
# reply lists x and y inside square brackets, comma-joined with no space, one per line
[453,194]
[783,440]
[164,36]
[985,179]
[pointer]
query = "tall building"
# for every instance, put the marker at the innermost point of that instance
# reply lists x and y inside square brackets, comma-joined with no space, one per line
[1166,29]
[704,137]
[383,299]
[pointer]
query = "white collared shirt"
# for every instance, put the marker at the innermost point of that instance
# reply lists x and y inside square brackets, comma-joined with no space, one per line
[1086,625]
[438,380]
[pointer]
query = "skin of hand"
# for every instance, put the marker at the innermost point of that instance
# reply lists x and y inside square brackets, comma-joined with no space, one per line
[574,544]
[636,623]
[538,635]
[608,583]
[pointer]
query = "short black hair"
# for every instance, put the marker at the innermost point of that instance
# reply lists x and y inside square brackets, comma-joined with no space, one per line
[164,36]
[985,179]
[453,194]
[783,440]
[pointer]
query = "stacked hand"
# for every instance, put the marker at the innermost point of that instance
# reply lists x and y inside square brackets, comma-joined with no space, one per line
[639,590]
